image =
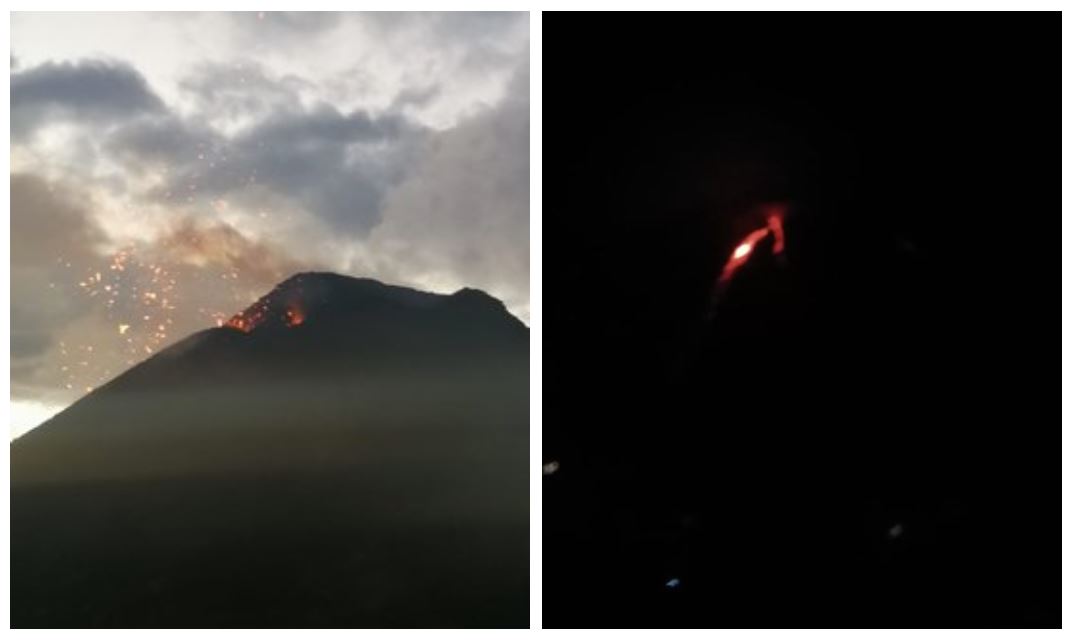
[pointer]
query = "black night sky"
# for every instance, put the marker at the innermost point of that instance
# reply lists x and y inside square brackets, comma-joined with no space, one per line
[865,430]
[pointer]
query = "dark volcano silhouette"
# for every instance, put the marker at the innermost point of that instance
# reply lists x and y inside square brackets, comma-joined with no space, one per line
[343,453]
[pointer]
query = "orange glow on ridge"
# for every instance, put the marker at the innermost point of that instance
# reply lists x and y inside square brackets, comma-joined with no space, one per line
[295,317]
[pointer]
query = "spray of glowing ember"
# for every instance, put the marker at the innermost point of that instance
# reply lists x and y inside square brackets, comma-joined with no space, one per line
[143,295]
[137,297]
[774,216]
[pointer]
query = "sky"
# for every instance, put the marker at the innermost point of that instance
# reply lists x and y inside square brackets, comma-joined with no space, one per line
[168,169]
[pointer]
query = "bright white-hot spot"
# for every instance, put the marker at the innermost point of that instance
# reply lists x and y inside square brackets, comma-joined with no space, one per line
[742,250]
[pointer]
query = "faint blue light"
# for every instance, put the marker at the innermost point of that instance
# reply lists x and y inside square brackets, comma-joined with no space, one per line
[673,583]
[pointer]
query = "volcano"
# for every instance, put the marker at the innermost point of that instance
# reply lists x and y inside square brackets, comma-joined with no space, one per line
[343,453]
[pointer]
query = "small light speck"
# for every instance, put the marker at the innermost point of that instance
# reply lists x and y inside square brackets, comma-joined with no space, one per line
[896,531]
[673,583]
[550,468]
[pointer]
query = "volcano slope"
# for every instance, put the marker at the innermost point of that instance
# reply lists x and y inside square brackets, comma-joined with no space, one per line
[344,453]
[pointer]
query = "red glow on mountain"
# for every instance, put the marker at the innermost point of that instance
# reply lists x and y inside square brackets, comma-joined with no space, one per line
[294,317]
[249,318]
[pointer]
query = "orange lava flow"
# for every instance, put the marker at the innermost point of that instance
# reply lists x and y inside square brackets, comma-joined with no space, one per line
[742,252]
[774,214]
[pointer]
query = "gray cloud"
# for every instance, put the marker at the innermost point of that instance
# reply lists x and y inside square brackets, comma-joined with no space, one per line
[454,201]
[464,209]
[301,22]
[263,27]
[89,91]
[159,140]
[414,97]
[463,28]
[51,231]
[241,91]
[335,166]
[467,29]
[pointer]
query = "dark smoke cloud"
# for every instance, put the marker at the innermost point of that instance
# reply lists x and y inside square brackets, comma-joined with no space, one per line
[94,92]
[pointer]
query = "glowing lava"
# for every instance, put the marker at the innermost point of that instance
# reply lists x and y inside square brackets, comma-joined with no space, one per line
[742,253]
[743,250]
[251,318]
[294,317]
[239,323]
[774,215]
